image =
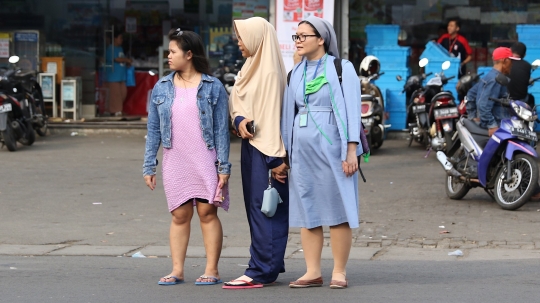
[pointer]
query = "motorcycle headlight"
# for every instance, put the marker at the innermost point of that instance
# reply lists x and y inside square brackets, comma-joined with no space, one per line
[523,113]
[518,123]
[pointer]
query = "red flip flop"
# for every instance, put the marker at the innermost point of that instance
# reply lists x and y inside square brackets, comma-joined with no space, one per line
[244,285]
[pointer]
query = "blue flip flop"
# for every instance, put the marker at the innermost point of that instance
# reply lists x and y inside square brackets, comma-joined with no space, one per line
[176,281]
[213,282]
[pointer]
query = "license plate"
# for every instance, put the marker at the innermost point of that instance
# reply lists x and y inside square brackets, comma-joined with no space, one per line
[419,108]
[367,121]
[450,112]
[5,108]
[524,134]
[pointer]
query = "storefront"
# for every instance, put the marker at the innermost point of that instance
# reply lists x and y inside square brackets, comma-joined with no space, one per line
[75,32]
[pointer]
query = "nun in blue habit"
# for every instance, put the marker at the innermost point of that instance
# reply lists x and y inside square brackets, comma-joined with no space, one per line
[320,127]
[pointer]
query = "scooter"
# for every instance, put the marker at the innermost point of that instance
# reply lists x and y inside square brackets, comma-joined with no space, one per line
[15,114]
[372,107]
[416,105]
[504,164]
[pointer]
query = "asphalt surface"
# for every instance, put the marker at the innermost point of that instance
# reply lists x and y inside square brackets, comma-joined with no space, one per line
[89,190]
[111,279]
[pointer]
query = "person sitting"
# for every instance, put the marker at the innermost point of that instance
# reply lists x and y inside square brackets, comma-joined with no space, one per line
[479,106]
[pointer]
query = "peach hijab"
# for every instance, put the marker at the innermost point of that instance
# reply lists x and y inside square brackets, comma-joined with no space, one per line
[258,90]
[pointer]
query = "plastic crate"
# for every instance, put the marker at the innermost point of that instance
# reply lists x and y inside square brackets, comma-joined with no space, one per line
[378,35]
[395,100]
[435,66]
[392,57]
[528,33]
[533,52]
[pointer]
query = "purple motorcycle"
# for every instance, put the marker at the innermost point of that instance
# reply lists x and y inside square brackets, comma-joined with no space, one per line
[504,164]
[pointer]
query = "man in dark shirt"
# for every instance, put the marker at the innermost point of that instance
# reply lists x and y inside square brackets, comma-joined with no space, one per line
[456,45]
[519,74]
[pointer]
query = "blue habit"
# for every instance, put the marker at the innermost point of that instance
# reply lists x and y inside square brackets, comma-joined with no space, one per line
[268,235]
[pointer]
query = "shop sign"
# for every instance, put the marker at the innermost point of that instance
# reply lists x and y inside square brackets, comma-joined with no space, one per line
[289,13]
[4,48]
[131,25]
[26,37]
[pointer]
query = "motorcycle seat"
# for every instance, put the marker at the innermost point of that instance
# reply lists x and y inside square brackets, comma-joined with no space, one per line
[474,128]
[25,74]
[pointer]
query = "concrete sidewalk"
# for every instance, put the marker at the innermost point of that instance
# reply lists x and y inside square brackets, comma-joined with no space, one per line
[394,253]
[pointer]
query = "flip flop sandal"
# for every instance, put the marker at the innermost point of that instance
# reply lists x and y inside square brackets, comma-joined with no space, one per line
[244,285]
[176,281]
[213,282]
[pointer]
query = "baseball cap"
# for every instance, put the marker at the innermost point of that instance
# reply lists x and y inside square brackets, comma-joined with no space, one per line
[502,53]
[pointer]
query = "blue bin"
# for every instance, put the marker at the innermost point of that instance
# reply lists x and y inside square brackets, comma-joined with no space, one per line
[378,35]
[397,120]
[392,57]
[395,100]
[483,69]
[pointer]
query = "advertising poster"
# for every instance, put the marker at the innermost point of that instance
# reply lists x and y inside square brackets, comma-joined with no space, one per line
[4,48]
[47,87]
[289,13]
[250,8]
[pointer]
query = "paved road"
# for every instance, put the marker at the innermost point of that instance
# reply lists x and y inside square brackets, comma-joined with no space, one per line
[87,191]
[111,279]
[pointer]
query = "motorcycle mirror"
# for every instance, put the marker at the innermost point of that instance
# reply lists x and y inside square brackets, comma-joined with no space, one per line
[398,77]
[153,72]
[445,65]
[502,79]
[423,62]
[536,63]
[13,59]
[14,90]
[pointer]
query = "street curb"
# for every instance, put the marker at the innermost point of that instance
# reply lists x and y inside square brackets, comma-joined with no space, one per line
[389,253]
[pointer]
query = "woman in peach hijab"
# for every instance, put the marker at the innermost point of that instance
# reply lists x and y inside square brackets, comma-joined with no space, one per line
[255,106]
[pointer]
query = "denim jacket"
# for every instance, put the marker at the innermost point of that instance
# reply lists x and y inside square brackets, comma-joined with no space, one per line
[212,101]
[479,105]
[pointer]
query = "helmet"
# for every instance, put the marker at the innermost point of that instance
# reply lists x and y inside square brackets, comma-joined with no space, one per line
[370,66]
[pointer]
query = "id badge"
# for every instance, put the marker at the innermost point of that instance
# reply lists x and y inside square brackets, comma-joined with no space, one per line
[303,120]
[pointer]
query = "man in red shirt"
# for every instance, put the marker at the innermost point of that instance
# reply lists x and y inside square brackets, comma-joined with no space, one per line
[456,45]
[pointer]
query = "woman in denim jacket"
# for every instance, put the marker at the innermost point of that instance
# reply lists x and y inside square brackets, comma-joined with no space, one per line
[189,115]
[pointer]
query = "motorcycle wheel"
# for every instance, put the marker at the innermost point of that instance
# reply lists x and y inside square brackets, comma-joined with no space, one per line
[456,189]
[9,137]
[515,194]
[39,110]
[30,135]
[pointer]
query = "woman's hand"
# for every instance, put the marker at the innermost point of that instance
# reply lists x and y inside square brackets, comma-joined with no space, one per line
[350,165]
[223,179]
[242,129]
[280,173]
[150,181]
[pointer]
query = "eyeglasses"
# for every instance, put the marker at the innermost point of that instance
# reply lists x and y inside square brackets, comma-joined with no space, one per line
[302,38]
[178,32]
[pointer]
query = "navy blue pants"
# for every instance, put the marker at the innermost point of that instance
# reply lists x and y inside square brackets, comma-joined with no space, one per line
[268,235]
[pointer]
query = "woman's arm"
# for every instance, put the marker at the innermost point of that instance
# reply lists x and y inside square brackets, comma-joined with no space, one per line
[352,96]
[153,139]
[221,130]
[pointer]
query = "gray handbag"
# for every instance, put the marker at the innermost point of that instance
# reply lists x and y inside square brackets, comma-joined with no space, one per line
[271,198]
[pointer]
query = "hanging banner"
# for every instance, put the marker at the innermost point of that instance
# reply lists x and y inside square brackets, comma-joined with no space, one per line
[4,47]
[289,13]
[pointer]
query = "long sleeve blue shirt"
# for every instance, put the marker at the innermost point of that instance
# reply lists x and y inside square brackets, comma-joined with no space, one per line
[490,112]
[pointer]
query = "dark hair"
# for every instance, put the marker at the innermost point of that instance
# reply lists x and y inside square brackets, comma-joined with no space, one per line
[118,33]
[456,21]
[519,49]
[191,41]
[326,46]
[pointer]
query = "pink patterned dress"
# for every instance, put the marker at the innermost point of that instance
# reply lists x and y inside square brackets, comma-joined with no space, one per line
[189,167]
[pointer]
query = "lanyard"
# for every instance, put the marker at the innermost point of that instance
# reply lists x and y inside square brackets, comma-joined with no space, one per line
[306,98]
[451,45]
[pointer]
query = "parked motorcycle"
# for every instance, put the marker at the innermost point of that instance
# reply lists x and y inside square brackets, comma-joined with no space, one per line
[16,110]
[373,115]
[23,85]
[431,111]
[416,106]
[504,164]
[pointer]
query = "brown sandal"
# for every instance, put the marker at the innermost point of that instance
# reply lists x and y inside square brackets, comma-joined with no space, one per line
[335,284]
[318,282]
